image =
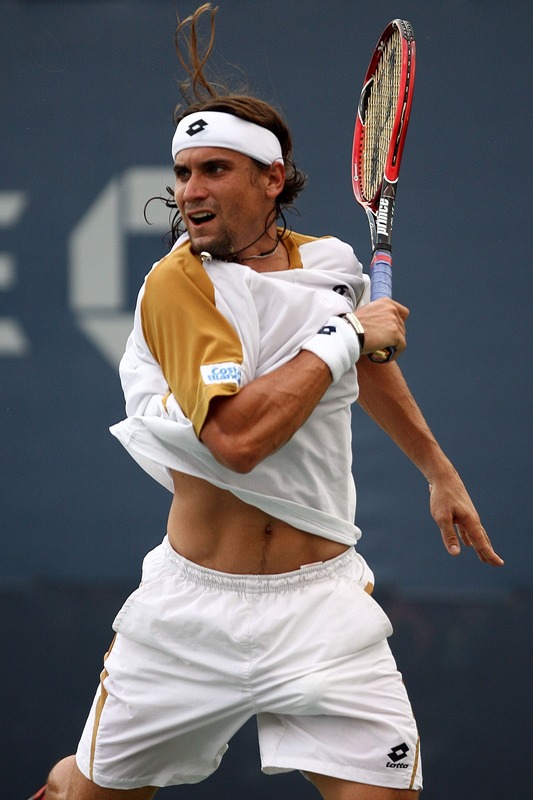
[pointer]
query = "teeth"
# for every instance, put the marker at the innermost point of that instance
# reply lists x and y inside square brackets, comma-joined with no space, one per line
[201,215]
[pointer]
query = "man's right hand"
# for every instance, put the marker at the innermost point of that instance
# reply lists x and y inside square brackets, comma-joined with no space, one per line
[383,321]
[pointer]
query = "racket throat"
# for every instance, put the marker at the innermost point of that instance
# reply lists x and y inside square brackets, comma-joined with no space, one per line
[380,229]
[381,216]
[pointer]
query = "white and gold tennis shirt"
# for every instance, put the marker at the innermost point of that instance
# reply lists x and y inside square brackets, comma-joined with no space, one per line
[202,330]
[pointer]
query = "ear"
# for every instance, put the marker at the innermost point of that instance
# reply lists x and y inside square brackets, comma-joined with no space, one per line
[275,179]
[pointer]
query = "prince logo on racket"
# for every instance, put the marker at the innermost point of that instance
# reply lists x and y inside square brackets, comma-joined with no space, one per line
[257,603]
[384,216]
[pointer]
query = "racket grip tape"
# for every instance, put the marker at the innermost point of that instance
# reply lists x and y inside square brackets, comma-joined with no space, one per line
[381,286]
[380,271]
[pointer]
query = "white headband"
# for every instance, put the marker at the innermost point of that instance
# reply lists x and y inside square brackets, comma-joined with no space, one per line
[218,129]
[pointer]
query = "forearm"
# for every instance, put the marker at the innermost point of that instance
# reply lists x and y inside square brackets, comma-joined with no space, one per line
[386,398]
[242,430]
[384,395]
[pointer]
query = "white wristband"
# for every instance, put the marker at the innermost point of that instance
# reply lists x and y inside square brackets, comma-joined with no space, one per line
[337,344]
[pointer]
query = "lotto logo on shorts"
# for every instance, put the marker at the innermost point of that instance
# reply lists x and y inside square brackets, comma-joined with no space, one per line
[396,755]
[222,373]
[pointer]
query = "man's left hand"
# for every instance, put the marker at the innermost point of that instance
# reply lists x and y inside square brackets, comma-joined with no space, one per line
[455,514]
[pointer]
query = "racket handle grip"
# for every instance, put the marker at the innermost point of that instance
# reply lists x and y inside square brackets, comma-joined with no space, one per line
[381,286]
[380,274]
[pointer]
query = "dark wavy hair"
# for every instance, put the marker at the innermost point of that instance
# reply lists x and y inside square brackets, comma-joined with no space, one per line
[201,94]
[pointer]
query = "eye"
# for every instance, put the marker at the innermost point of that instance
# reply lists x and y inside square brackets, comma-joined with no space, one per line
[181,173]
[214,168]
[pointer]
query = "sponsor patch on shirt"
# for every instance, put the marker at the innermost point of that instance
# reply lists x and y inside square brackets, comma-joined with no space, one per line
[227,372]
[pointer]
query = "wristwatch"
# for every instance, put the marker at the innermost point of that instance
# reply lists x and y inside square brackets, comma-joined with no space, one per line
[358,328]
[379,356]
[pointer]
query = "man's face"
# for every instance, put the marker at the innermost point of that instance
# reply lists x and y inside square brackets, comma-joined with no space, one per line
[223,197]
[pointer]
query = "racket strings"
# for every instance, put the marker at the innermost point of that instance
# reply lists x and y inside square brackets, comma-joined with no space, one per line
[380,115]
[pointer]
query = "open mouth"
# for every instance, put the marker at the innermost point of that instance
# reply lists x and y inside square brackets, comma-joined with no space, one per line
[200,218]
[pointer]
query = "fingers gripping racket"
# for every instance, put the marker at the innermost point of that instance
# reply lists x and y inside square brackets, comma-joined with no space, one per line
[379,137]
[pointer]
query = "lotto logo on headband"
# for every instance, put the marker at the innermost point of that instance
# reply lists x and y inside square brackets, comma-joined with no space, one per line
[227,372]
[196,127]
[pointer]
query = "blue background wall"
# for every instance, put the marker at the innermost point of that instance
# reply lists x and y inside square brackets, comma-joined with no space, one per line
[87,93]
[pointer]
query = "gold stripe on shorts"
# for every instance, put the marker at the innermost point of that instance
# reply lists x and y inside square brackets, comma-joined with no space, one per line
[98,711]
[415,763]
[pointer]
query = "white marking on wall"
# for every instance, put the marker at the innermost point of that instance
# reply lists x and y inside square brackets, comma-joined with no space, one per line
[97,255]
[13,340]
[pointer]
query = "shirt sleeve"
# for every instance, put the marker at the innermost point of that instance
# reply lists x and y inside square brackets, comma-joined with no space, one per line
[199,352]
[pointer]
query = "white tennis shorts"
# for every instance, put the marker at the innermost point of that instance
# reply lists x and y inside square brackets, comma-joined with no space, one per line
[199,652]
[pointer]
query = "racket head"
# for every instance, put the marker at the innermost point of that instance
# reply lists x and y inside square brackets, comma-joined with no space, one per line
[383,114]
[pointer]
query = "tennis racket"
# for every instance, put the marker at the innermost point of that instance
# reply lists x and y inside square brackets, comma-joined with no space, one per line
[379,137]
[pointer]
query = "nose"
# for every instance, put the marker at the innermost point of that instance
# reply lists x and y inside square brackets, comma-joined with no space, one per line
[194,188]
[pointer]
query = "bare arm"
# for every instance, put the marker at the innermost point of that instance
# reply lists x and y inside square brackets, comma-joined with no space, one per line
[385,396]
[243,429]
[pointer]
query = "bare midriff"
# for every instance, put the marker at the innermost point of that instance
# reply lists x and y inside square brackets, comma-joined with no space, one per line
[214,528]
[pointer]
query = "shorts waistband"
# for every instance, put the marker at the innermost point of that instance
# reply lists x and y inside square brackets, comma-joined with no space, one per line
[261,584]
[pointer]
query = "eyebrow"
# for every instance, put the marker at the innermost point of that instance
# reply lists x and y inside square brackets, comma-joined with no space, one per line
[210,162]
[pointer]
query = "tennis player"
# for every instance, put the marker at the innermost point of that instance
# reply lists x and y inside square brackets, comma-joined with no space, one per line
[248,351]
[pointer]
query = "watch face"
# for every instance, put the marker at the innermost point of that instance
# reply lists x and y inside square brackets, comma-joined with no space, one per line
[382,356]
